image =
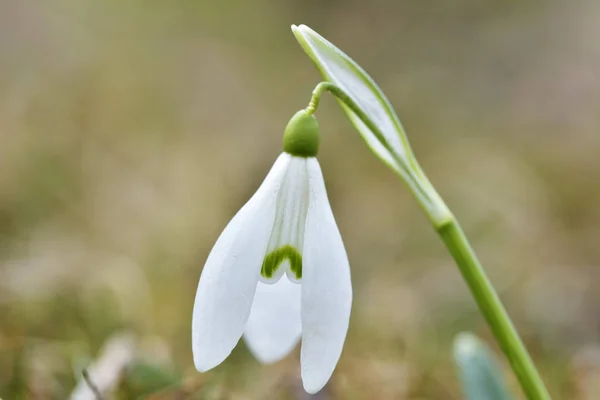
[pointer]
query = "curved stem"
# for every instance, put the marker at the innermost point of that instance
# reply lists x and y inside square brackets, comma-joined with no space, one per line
[316,96]
[455,240]
[347,100]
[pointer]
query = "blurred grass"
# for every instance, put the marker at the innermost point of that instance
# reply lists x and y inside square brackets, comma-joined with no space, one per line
[130,132]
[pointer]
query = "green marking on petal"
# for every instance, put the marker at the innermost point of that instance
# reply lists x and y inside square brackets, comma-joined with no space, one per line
[276,257]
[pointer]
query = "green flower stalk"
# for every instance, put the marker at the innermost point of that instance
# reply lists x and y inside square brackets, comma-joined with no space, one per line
[373,116]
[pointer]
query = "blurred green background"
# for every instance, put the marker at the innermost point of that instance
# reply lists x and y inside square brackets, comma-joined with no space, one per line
[132,131]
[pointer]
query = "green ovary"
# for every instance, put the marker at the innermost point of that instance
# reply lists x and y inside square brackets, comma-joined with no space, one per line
[274,259]
[301,136]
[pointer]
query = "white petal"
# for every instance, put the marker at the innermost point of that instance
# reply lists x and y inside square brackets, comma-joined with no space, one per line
[273,329]
[287,237]
[326,288]
[231,272]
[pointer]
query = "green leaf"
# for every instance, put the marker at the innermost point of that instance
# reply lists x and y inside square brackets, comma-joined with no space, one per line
[480,375]
[338,68]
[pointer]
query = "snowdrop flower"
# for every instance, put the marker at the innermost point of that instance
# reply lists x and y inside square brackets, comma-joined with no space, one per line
[279,271]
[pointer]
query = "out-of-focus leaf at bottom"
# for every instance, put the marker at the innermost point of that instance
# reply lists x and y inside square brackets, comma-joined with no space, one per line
[480,375]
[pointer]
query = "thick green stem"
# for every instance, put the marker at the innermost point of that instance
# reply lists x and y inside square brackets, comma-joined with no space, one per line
[452,235]
[492,309]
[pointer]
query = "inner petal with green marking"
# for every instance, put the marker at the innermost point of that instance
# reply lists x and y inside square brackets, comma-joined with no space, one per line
[276,258]
[284,251]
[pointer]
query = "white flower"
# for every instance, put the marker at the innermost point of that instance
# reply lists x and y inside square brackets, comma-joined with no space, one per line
[278,272]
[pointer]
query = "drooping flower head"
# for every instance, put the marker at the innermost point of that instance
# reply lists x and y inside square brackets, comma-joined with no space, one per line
[279,271]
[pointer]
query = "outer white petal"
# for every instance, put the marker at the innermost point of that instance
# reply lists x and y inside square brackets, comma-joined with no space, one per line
[326,288]
[231,272]
[273,329]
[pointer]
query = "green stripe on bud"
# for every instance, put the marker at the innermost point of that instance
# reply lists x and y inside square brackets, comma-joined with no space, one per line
[301,136]
[274,259]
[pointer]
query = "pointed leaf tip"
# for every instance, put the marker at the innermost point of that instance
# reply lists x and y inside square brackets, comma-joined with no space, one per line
[479,372]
